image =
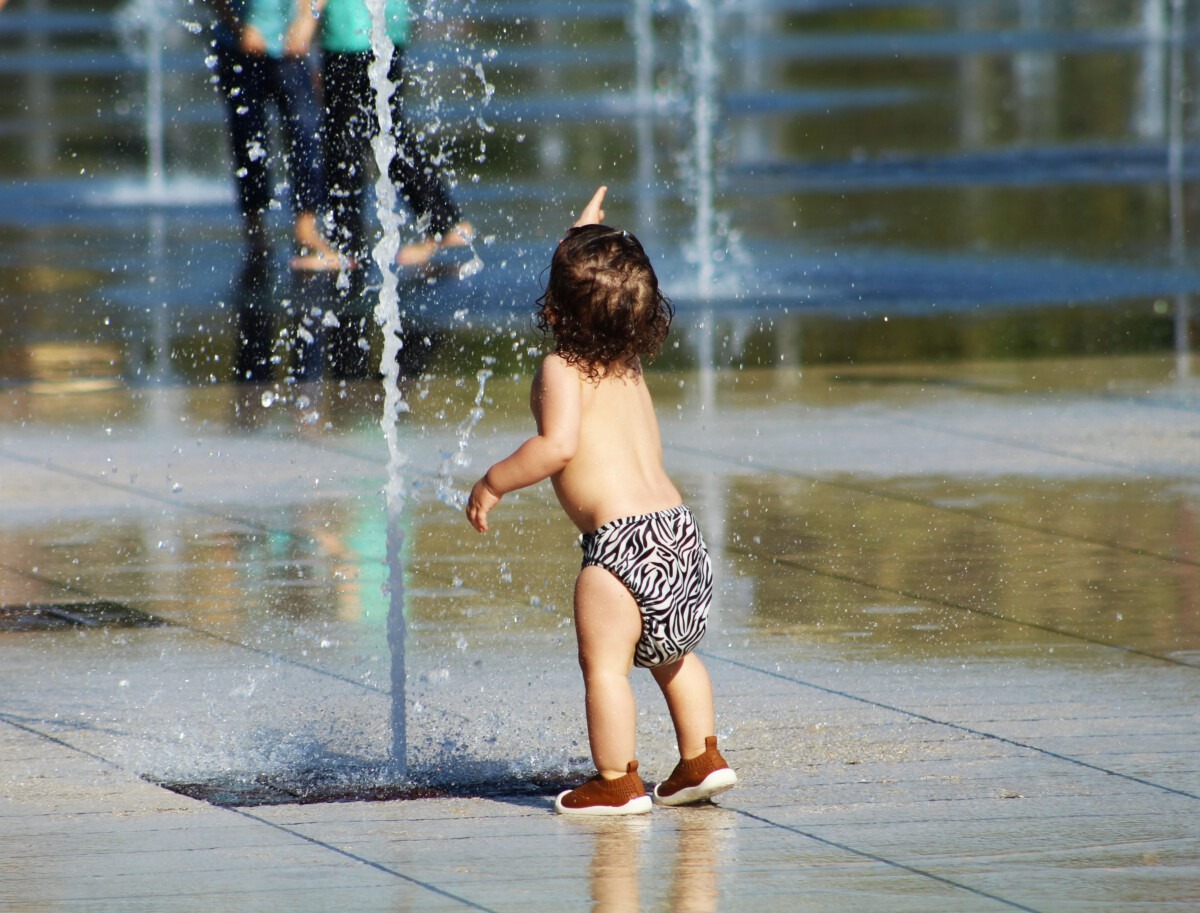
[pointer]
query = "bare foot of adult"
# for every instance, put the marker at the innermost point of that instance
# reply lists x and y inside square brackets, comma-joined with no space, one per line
[325,259]
[421,252]
[316,254]
[460,235]
[417,254]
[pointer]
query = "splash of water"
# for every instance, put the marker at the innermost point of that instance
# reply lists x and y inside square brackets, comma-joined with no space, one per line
[387,316]
[457,459]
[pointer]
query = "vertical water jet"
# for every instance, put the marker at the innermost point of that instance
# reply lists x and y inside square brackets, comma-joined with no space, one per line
[1175,181]
[705,72]
[642,28]
[387,316]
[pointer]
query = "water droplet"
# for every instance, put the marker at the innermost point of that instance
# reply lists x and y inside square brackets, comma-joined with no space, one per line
[470,268]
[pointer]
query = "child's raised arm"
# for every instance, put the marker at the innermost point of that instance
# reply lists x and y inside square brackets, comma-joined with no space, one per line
[556,399]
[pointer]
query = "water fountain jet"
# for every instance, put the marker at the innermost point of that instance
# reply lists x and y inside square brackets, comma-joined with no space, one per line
[387,316]
[1175,151]
[705,73]
[142,28]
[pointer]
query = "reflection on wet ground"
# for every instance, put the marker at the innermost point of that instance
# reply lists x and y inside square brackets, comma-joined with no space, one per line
[954,569]
[995,511]
[1062,485]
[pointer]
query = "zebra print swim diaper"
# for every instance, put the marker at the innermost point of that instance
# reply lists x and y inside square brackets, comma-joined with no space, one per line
[662,559]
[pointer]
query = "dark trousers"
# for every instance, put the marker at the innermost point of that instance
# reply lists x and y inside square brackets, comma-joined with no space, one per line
[250,84]
[348,126]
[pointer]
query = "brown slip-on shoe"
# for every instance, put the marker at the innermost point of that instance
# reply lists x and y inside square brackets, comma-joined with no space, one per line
[623,796]
[697,778]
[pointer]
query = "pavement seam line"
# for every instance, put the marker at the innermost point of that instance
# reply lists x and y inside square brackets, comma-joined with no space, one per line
[200,632]
[62,743]
[1033,448]
[230,642]
[252,817]
[945,603]
[929,505]
[378,866]
[131,491]
[959,727]
[891,863]
[108,762]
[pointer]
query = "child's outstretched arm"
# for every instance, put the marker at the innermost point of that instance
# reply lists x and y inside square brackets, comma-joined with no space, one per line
[556,399]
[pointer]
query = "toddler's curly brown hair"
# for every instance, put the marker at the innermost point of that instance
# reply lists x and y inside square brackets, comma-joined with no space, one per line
[602,303]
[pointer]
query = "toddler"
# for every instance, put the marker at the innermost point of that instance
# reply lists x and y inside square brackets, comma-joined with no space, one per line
[643,593]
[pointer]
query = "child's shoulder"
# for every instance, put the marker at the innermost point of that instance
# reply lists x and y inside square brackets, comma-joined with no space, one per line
[556,369]
[556,363]
[562,367]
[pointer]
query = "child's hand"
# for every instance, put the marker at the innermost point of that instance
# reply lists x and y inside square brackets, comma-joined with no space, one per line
[592,213]
[483,499]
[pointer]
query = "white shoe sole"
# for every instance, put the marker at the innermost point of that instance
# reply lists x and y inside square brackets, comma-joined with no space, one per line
[638,806]
[716,782]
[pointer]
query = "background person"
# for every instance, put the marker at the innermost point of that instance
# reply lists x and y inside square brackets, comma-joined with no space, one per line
[349,123]
[262,61]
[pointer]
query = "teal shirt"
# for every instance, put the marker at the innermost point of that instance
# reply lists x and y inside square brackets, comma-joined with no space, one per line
[346,25]
[271,17]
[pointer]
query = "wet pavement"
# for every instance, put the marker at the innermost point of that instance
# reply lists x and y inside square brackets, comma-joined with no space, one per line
[956,651]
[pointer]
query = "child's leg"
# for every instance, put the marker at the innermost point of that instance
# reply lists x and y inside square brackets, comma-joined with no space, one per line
[686,686]
[608,624]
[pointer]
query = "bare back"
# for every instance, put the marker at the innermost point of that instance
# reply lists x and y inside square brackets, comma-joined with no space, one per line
[617,469]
